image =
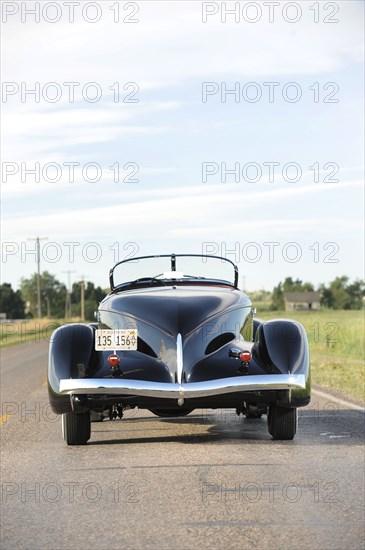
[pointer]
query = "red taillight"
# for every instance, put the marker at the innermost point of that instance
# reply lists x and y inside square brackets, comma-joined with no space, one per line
[245,356]
[113,360]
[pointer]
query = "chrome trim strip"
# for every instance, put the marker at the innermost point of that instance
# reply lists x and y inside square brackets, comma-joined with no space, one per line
[123,386]
[179,358]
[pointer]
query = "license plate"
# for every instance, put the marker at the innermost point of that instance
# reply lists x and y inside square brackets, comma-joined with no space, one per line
[113,340]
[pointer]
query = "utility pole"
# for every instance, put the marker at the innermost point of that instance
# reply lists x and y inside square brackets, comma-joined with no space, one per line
[82,292]
[243,283]
[38,254]
[68,295]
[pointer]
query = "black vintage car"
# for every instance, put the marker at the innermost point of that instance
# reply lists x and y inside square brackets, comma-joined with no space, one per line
[173,335]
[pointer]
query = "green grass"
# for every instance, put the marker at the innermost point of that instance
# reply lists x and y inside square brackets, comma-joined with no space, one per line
[337,348]
[24,331]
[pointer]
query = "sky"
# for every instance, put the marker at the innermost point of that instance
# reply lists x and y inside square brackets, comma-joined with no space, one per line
[135,128]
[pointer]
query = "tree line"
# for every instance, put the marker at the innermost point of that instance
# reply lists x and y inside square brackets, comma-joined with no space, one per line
[55,299]
[340,293]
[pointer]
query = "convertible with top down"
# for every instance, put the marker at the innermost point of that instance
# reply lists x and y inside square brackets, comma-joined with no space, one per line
[175,334]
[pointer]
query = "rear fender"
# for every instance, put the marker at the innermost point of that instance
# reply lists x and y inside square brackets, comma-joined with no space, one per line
[282,346]
[71,355]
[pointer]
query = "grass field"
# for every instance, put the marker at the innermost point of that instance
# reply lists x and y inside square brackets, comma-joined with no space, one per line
[27,330]
[336,343]
[337,348]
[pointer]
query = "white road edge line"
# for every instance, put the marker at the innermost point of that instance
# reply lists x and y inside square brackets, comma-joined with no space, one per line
[339,401]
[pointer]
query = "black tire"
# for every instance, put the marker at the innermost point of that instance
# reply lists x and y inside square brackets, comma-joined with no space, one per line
[76,428]
[165,413]
[282,422]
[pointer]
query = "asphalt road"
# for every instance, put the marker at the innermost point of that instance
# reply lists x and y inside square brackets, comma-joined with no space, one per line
[210,480]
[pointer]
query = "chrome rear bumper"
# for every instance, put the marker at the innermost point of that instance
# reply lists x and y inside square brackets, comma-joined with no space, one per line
[120,386]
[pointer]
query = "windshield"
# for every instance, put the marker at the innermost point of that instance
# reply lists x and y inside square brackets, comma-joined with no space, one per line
[171,268]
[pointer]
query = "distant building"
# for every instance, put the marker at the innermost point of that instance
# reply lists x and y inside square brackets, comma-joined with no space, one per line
[306,300]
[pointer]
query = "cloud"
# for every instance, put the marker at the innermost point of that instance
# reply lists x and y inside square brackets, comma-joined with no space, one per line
[36,133]
[183,211]
[195,49]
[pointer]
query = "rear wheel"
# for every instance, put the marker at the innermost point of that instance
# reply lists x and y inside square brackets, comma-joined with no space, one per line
[282,422]
[76,428]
